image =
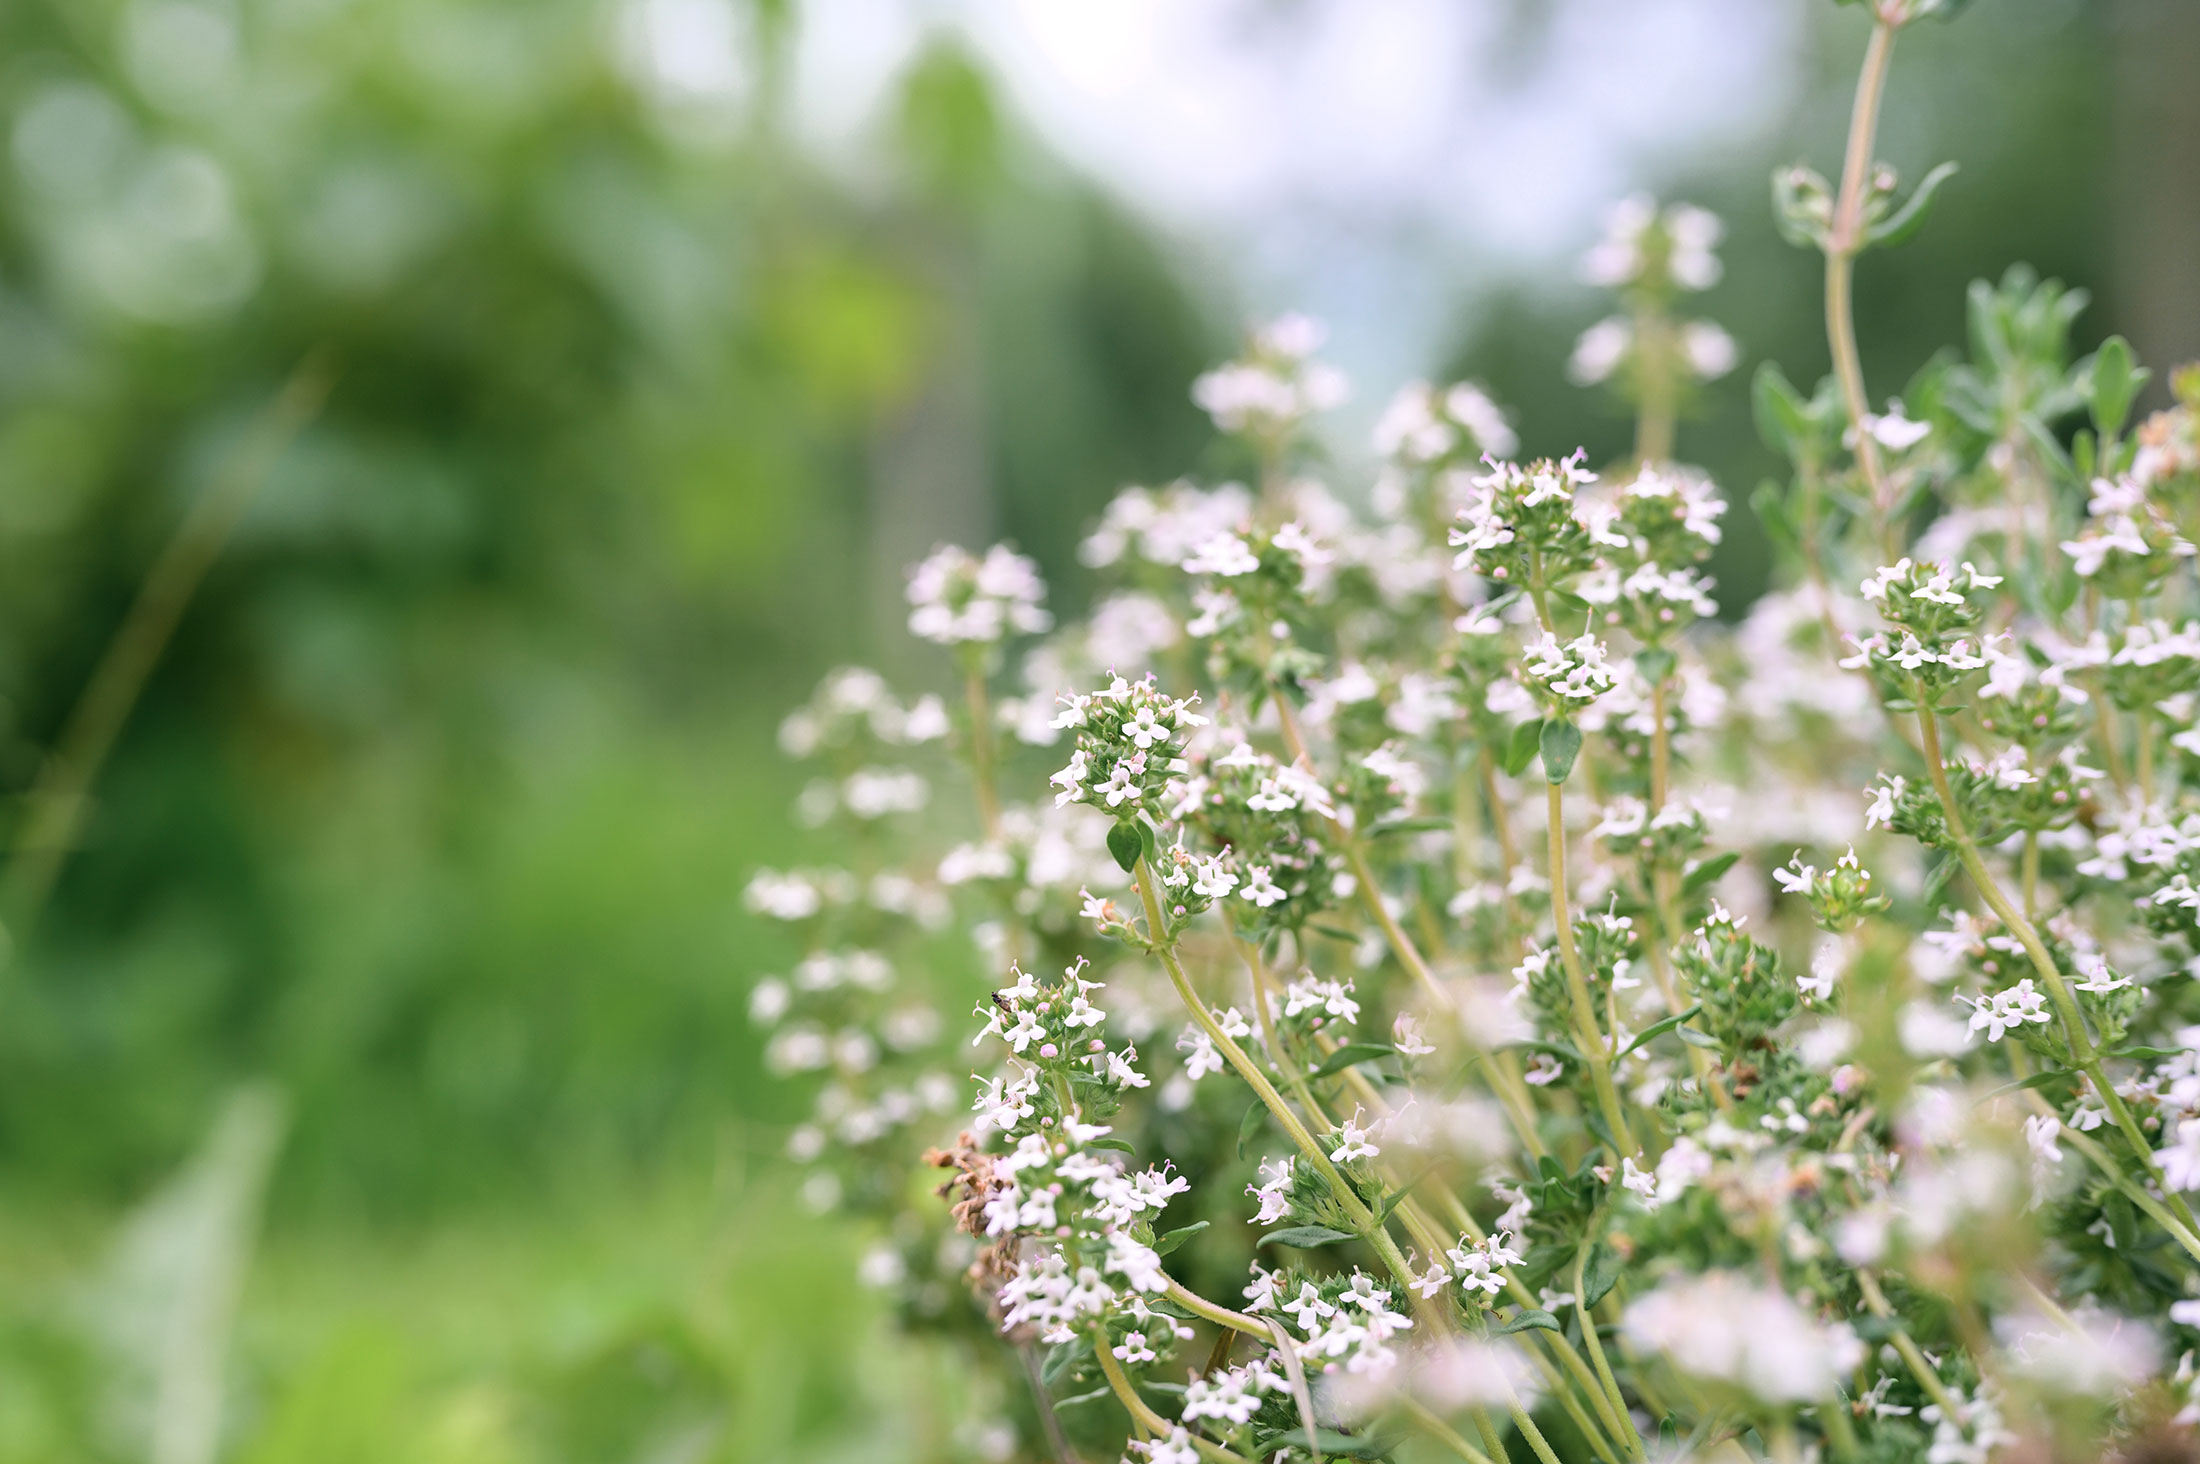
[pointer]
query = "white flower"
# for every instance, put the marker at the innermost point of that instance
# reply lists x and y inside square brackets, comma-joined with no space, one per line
[1709,351]
[1480,1265]
[1896,432]
[2040,1132]
[768,1001]
[1200,1055]
[1261,889]
[1719,1325]
[1135,1262]
[1575,671]
[955,598]
[1273,1193]
[1880,811]
[2098,978]
[1600,350]
[2180,1160]
[1177,1448]
[782,896]
[1134,1350]
[2083,1351]
[2003,1010]
[1212,879]
[1307,1307]
[1352,1141]
[1226,555]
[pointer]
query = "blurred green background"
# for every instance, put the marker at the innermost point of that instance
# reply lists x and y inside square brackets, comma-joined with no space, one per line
[391,986]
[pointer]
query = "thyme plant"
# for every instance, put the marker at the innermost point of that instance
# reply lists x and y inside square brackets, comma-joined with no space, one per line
[1456,997]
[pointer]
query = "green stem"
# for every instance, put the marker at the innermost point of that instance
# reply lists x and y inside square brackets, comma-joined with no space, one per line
[1142,1414]
[1596,1346]
[1843,242]
[1655,349]
[1442,1432]
[1914,1359]
[1531,1433]
[54,809]
[2082,1051]
[1363,1219]
[1506,1080]
[1595,1048]
[2099,1158]
[981,747]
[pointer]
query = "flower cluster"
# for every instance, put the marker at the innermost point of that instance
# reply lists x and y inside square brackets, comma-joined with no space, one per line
[1130,747]
[1898,1169]
[956,598]
[1277,383]
[1649,255]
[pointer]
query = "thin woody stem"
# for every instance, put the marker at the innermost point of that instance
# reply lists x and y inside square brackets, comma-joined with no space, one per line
[1506,1078]
[1142,1413]
[2082,1051]
[1595,1344]
[1595,1046]
[1911,1356]
[1363,1219]
[56,805]
[1442,1432]
[981,748]
[1843,242]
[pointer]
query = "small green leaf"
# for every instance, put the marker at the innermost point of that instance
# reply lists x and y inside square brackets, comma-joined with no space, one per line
[1306,1237]
[2062,590]
[1382,1216]
[1772,512]
[1708,871]
[2150,1054]
[1126,843]
[1163,1244]
[1104,1391]
[1329,1441]
[1250,1125]
[1561,744]
[1530,1320]
[1350,1055]
[1655,664]
[1149,843]
[1120,1145]
[1901,225]
[2037,1080]
[1560,1050]
[1408,826]
[1936,880]
[1660,1028]
[1335,932]
[1600,1275]
[1521,748]
[1695,1038]
[2115,382]
[1062,1362]
[1782,419]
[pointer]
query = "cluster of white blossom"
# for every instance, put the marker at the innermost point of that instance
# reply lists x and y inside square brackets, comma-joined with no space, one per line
[1804,1126]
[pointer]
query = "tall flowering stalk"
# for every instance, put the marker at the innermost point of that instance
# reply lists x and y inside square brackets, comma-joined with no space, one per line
[1454,988]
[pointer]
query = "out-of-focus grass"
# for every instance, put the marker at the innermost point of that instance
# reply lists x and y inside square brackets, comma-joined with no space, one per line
[629,1320]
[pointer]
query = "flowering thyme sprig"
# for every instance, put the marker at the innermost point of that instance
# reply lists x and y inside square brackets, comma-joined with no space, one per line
[1973,1061]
